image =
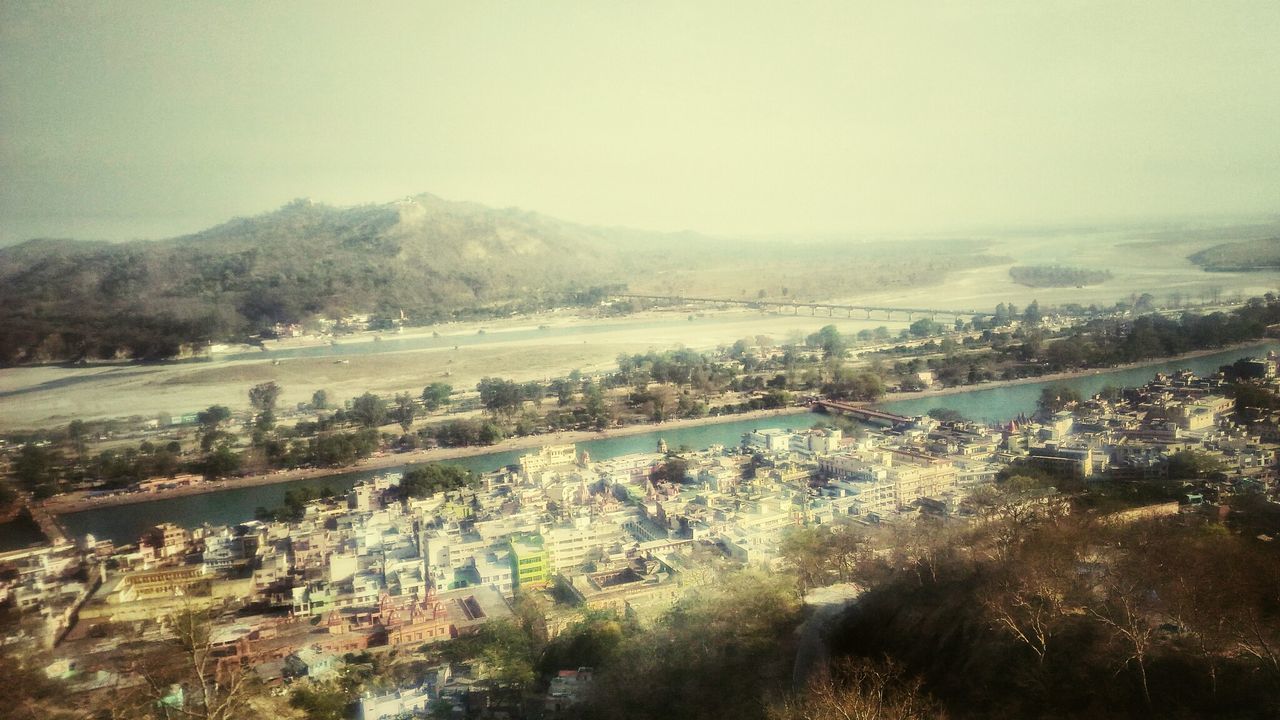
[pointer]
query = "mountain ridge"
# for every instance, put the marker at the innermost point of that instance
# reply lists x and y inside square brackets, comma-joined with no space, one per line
[428,257]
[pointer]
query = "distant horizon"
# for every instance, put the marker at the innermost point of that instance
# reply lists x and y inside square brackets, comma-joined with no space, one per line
[152,119]
[167,228]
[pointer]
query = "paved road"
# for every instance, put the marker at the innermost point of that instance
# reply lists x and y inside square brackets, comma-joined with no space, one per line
[825,605]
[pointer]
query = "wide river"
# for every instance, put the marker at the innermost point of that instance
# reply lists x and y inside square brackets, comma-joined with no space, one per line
[125,523]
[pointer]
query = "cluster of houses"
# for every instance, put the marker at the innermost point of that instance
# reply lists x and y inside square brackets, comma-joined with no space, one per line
[375,570]
[1133,436]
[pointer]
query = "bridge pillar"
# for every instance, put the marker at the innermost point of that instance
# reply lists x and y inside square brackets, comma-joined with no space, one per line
[868,314]
[911,315]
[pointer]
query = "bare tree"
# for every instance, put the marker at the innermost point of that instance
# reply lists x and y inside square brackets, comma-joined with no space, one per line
[211,687]
[1125,607]
[860,689]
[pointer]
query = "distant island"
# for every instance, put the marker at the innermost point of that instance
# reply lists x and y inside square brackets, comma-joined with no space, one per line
[1242,256]
[1045,276]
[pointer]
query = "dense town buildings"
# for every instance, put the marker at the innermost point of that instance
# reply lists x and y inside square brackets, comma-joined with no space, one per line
[376,570]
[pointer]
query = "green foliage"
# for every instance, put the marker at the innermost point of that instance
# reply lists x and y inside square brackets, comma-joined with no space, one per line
[221,462]
[593,641]
[924,327]
[828,338]
[500,397]
[672,470]
[326,701]
[436,395]
[1250,396]
[1111,342]
[946,415]
[1192,464]
[859,386]
[65,300]
[212,418]
[1056,276]
[1057,397]
[427,480]
[717,654]
[465,433]
[403,411]
[263,397]
[38,469]
[369,410]
[294,506]
[824,554]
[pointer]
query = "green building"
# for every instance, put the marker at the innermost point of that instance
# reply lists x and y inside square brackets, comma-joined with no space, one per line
[529,563]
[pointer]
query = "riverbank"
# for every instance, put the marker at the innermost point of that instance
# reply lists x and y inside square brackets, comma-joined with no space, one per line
[75,502]
[1067,374]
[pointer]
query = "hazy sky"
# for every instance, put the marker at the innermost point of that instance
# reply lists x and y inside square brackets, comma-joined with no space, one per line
[123,119]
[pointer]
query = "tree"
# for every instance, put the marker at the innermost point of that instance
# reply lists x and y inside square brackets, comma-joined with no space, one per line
[829,339]
[674,470]
[1032,315]
[320,399]
[436,395]
[321,701]
[1056,397]
[942,414]
[500,396]
[214,690]
[714,655]
[592,641]
[1127,608]
[369,410]
[76,432]
[804,549]
[263,396]
[1191,464]
[427,480]
[222,461]
[213,417]
[563,389]
[924,327]
[36,468]
[860,689]
[404,411]
[1002,315]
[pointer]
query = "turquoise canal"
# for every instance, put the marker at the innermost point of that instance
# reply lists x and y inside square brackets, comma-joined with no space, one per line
[126,522]
[1000,404]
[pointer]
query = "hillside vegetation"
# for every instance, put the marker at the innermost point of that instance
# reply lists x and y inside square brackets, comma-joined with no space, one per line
[1258,254]
[423,258]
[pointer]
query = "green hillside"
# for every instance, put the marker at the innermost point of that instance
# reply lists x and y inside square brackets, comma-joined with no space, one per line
[426,258]
[1258,254]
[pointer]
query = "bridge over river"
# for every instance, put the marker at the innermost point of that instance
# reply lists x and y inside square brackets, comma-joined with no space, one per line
[864,413]
[794,306]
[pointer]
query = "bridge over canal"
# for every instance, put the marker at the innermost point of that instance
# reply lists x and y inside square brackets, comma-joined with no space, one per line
[794,307]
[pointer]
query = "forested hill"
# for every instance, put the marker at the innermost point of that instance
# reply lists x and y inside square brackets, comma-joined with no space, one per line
[1258,254]
[424,256]
[429,258]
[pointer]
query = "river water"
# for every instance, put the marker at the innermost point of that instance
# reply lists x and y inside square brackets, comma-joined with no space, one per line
[125,523]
